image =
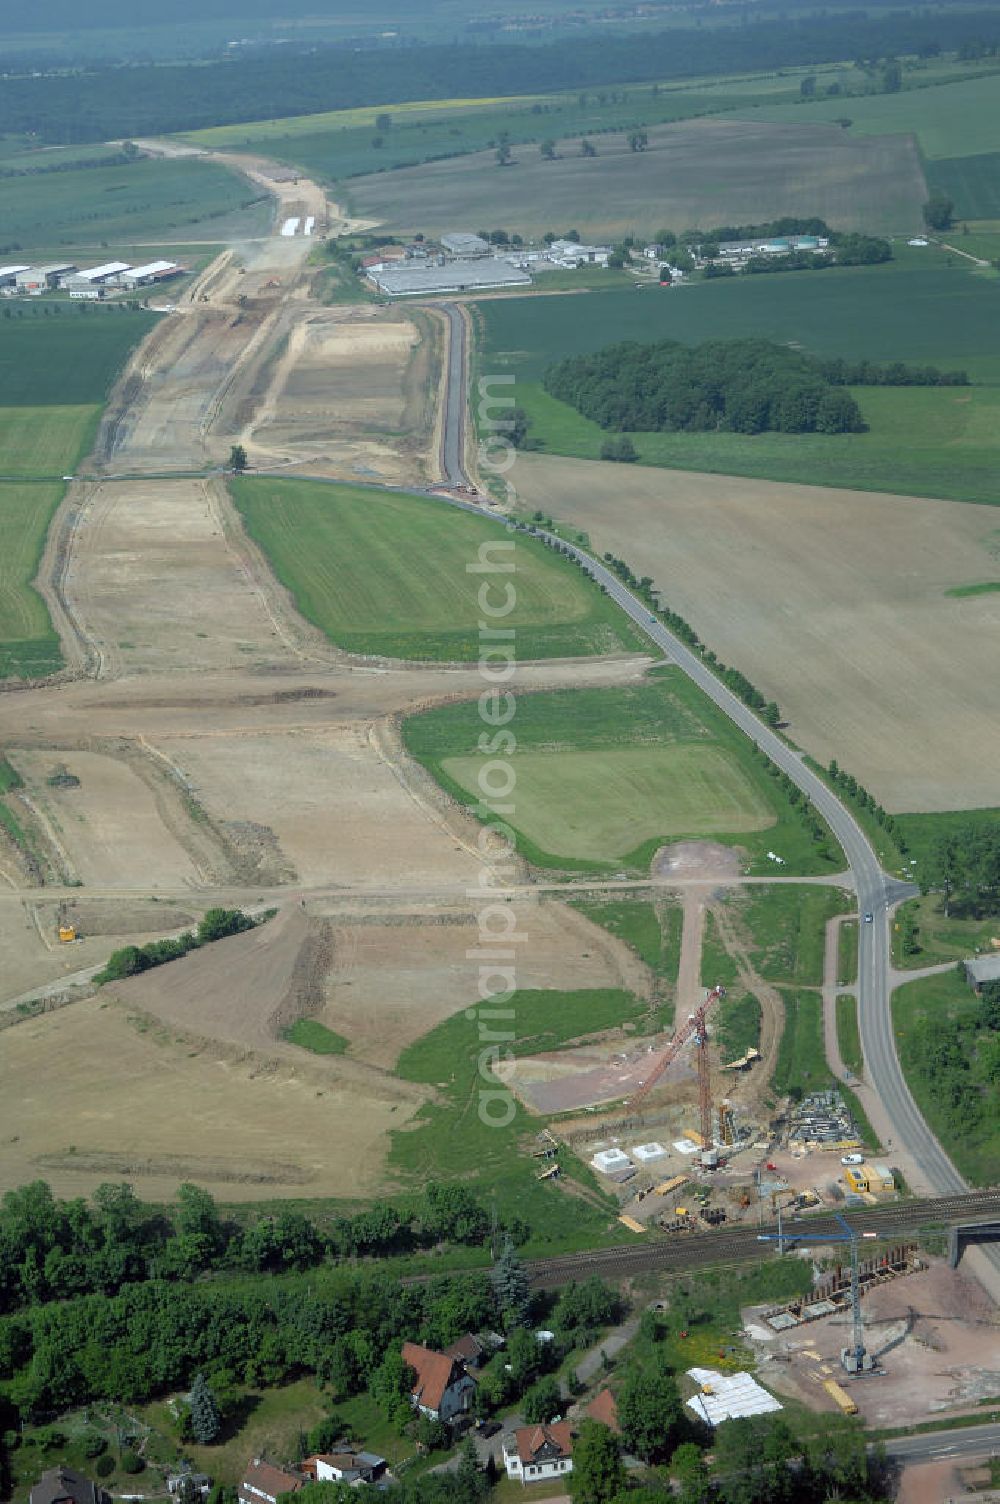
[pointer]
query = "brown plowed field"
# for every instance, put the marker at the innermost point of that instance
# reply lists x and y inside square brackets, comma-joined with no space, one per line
[98,1092]
[392,981]
[109,827]
[832,602]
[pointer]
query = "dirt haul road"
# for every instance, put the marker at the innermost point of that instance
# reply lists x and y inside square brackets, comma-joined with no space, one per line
[208,746]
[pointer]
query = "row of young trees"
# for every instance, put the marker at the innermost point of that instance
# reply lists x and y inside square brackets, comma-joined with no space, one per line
[57,1250]
[743,386]
[856,794]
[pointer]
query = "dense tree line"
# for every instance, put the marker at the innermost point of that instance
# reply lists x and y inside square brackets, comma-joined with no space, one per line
[344,1326]
[964,866]
[958,1062]
[743,386]
[867,373]
[57,1250]
[105,103]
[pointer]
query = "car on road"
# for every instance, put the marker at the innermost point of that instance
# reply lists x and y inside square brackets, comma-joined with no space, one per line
[869,917]
[489,1428]
[852,1159]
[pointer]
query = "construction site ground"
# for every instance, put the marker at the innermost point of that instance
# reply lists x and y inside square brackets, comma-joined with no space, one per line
[937,1336]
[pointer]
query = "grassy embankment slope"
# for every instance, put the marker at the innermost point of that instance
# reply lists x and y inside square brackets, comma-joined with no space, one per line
[388,575]
[55,374]
[922,440]
[604,777]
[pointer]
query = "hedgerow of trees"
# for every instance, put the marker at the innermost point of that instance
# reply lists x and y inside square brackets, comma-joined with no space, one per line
[52,1250]
[130,960]
[743,386]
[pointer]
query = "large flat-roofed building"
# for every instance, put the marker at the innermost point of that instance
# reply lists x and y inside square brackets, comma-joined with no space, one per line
[94,276]
[145,276]
[35,279]
[10,274]
[452,276]
[462,243]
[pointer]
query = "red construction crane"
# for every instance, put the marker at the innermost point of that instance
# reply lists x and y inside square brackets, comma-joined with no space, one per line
[694,1025]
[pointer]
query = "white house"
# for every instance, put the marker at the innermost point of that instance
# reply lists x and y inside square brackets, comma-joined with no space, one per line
[344,1467]
[533,1453]
[442,1389]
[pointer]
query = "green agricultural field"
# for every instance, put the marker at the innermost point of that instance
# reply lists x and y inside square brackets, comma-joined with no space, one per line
[931,441]
[601,805]
[340,144]
[700,172]
[942,316]
[147,197]
[972,183]
[947,1047]
[45,441]
[389,575]
[950,120]
[29,647]
[64,359]
[55,373]
[453,1140]
[605,777]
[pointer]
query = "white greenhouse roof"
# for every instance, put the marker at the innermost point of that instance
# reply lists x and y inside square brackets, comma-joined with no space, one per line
[728,1396]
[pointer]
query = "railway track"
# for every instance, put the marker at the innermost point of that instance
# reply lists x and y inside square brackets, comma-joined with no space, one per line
[741,1245]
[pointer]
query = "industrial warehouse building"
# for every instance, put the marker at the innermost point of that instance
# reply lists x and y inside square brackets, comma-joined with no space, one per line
[92,282]
[145,276]
[37,279]
[461,243]
[449,276]
[10,274]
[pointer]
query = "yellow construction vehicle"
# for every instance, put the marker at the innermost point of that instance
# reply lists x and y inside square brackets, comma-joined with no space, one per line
[840,1397]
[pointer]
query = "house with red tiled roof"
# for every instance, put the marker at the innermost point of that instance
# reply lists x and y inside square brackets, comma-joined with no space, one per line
[442,1389]
[262,1483]
[533,1453]
[604,1408]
